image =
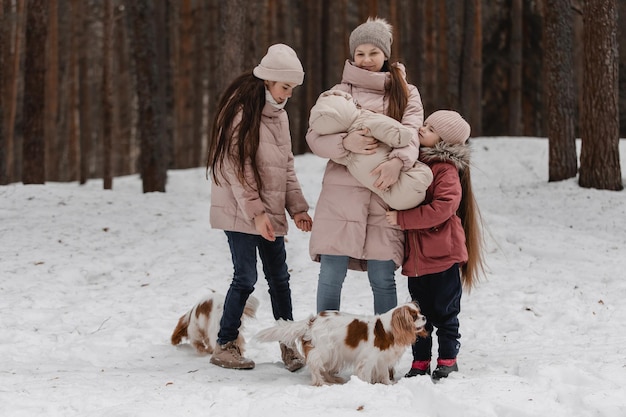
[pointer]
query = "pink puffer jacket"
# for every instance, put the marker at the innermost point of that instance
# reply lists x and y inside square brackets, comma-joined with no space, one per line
[234,206]
[349,218]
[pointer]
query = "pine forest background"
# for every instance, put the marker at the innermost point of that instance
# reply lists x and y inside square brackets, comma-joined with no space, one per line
[104,88]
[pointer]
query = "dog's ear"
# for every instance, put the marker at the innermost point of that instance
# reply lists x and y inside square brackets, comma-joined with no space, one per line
[403,326]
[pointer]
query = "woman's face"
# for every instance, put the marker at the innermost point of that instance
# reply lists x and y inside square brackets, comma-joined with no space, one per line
[369,57]
[279,90]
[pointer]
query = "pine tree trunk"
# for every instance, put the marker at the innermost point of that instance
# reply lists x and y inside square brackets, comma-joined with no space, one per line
[3,55]
[471,84]
[213,49]
[183,152]
[559,95]
[33,146]
[199,84]
[85,122]
[311,56]
[13,165]
[153,160]
[107,95]
[233,45]
[515,90]
[453,54]
[599,157]
[54,145]
[124,110]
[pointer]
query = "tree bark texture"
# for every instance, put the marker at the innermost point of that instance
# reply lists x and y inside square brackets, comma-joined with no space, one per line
[153,159]
[107,96]
[3,60]
[54,147]
[33,147]
[559,95]
[14,158]
[471,79]
[515,90]
[599,156]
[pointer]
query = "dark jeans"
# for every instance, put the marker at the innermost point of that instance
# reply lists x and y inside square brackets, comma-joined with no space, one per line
[439,298]
[243,249]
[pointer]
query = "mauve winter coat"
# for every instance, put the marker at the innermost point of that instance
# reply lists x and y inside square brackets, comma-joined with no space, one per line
[234,206]
[435,237]
[349,218]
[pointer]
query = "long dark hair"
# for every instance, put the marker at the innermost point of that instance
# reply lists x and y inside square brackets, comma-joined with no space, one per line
[244,98]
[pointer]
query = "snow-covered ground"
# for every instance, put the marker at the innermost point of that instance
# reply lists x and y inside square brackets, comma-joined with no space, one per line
[92,283]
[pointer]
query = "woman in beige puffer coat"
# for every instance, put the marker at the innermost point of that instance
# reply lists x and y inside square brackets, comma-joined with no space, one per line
[350,230]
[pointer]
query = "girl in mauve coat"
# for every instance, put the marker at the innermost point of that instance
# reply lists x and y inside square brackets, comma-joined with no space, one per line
[254,183]
[350,230]
[443,249]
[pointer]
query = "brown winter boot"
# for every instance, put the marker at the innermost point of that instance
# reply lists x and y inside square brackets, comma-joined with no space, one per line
[291,357]
[229,356]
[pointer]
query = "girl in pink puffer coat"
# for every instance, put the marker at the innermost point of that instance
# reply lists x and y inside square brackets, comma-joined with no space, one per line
[254,183]
[350,230]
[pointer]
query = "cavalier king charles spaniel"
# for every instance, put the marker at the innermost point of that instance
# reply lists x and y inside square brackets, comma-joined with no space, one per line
[333,341]
[201,324]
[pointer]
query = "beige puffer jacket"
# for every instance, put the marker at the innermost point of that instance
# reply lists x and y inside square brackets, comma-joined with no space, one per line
[349,218]
[335,112]
[234,206]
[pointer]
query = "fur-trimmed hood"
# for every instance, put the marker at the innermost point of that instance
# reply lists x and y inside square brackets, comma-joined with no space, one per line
[457,154]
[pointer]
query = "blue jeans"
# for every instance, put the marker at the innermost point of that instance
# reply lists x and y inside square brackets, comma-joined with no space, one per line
[243,250]
[333,270]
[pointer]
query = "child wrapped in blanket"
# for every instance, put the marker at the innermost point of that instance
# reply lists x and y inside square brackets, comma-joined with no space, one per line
[335,111]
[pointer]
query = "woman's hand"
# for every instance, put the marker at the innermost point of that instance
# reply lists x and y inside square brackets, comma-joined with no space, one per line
[357,141]
[303,221]
[263,225]
[388,173]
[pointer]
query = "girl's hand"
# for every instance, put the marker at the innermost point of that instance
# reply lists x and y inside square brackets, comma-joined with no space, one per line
[357,141]
[303,221]
[392,217]
[388,173]
[264,227]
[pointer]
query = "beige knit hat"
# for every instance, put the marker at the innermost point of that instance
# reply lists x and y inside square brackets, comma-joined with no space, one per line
[450,126]
[281,64]
[376,31]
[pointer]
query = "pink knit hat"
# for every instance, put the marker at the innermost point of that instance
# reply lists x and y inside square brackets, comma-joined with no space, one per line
[450,126]
[281,64]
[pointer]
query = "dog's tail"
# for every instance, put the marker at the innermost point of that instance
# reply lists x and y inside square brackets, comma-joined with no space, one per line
[180,332]
[251,306]
[285,331]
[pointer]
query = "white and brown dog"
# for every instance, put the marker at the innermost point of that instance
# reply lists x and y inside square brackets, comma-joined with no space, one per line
[201,324]
[333,341]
